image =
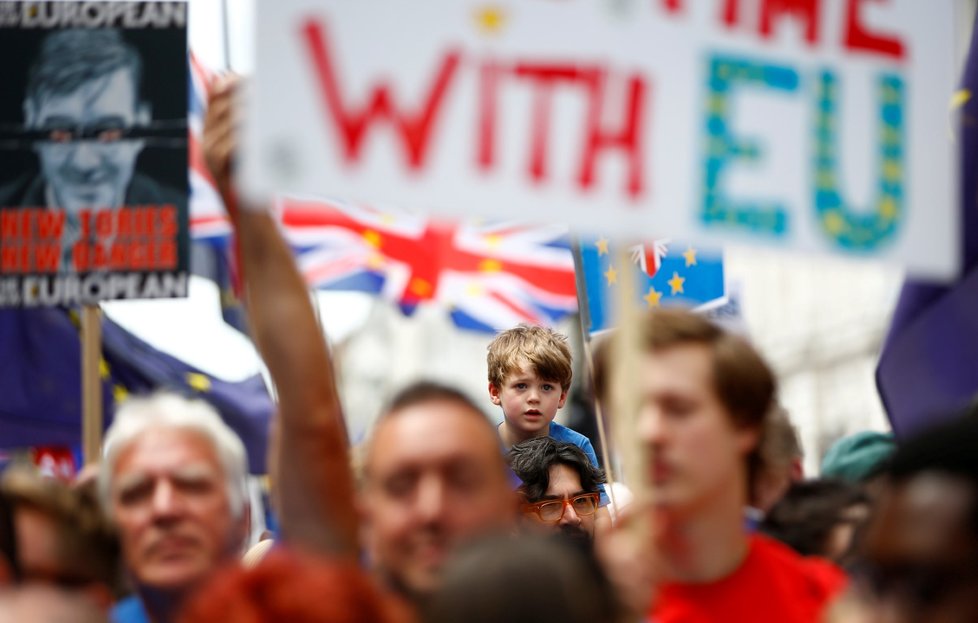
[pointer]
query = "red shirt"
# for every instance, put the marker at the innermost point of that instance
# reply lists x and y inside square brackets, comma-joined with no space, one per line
[774,584]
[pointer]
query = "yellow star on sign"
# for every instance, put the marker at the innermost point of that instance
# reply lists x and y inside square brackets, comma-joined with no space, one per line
[490,19]
[833,223]
[690,255]
[602,245]
[611,275]
[493,240]
[888,209]
[119,393]
[652,298]
[676,283]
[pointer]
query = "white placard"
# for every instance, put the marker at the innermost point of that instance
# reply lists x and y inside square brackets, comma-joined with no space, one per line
[810,124]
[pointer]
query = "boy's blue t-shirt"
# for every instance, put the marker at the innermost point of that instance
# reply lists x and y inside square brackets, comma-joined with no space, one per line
[567,435]
[129,610]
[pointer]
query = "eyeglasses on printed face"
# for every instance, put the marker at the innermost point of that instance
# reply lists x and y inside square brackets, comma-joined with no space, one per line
[63,136]
[553,511]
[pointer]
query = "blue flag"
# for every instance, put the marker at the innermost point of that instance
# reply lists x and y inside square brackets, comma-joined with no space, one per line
[41,382]
[666,273]
[927,370]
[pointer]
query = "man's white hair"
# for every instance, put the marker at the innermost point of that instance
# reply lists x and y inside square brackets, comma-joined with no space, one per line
[167,410]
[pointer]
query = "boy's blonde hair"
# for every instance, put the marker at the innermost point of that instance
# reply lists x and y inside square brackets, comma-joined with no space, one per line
[545,350]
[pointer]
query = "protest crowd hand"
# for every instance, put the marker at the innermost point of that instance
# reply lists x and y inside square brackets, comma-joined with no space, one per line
[309,454]
[220,137]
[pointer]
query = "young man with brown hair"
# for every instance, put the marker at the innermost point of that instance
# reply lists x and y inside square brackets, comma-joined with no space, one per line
[705,395]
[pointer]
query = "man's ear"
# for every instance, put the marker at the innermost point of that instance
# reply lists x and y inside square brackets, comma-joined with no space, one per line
[563,399]
[494,393]
[748,438]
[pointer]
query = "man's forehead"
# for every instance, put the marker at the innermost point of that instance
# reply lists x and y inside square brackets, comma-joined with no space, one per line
[563,480]
[111,94]
[683,366]
[433,432]
[199,471]
[163,448]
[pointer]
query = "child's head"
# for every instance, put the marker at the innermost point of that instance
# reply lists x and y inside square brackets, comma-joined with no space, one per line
[539,350]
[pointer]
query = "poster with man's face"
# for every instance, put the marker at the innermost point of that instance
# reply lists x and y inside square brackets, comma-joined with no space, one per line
[93,152]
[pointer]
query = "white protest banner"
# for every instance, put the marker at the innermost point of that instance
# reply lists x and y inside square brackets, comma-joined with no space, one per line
[807,124]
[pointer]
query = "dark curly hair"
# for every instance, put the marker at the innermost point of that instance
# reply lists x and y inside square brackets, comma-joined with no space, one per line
[531,460]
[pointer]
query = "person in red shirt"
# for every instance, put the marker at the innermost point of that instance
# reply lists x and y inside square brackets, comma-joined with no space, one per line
[704,399]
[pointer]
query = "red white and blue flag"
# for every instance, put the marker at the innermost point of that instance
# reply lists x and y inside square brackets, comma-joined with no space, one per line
[489,276]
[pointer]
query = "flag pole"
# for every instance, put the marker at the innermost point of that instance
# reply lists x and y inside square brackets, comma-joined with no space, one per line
[584,322]
[91,355]
[226,35]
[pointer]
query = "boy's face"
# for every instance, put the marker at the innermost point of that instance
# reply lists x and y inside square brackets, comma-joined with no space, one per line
[696,450]
[529,403]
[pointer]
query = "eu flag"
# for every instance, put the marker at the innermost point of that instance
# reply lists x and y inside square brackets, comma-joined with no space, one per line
[41,382]
[664,273]
[927,370]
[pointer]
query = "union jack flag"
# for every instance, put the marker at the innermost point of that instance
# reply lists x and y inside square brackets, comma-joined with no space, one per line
[489,276]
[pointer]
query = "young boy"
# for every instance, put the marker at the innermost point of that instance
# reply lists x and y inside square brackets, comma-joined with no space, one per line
[529,377]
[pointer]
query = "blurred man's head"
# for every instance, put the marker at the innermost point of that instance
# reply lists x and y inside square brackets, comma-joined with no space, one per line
[921,547]
[705,395]
[434,476]
[560,486]
[83,98]
[523,579]
[782,458]
[60,536]
[38,603]
[173,480]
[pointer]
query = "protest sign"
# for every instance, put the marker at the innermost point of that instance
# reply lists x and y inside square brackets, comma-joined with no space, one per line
[93,152]
[809,124]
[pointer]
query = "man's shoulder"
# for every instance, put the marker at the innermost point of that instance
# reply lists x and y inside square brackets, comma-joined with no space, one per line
[25,191]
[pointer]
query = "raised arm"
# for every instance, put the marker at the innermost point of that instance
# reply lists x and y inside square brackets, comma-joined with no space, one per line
[309,455]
